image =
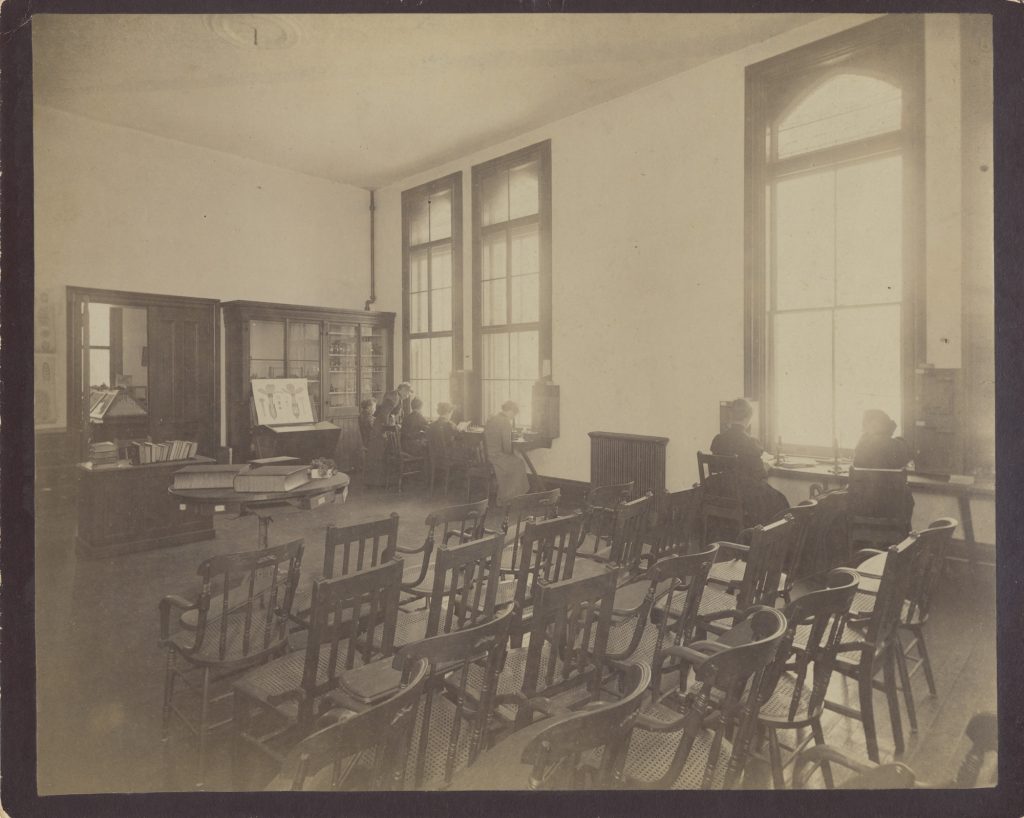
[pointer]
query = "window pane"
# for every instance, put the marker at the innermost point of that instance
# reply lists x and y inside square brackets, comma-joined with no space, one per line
[525,306]
[99,325]
[266,347]
[419,359]
[522,393]
[418,312]
[99,364]
[869,231]
[495,394]
[440,215]
[524,356]
[525,243]
[867,366]
[441,267]
[441,300]
[418,271]
[492,257]
[805,240]
[418,221]
[494,198]
[492,299]
[802,371]
[440,358]
[440,390]
[523,190]
[495,356]
[842,109]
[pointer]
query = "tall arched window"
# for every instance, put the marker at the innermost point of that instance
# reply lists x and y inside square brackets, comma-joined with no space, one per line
[831,209]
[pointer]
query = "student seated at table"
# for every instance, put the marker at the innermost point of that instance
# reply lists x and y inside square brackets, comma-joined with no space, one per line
[878,449]
[387,415]
[509,467]
[366,410]
[414,427]
[761,502]
[443,434]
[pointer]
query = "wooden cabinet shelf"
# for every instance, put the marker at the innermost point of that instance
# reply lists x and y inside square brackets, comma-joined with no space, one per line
[346,355]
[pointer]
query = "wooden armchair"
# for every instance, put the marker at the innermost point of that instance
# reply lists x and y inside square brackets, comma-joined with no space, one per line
[234,631]
[877,506]
[538,505]
[676,526]
[459,523]
[626,538]
[398,463]
[721,508]
[366,750]
[598,511]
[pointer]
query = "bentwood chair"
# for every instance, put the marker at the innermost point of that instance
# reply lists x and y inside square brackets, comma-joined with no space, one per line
[352,623]
[365,750]
[791,700]
[981,732]
[676,742]
[581,750]
[721,508]
[234,631]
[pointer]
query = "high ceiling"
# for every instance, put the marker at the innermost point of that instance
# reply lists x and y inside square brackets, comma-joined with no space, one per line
[365,99]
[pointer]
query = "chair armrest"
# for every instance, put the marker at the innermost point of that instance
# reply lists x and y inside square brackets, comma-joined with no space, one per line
[733,546]
[807,761]
[863,554]
[406,550]
[166,604]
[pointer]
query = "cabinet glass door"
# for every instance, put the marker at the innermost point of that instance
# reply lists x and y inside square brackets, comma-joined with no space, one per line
[266,349]
[304,356]
[342,369]
[373,364]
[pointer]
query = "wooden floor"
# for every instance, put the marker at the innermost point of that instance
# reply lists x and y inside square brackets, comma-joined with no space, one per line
[100,671]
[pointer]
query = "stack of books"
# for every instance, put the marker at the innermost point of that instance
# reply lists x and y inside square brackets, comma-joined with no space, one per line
[103,453]
[144,451]
[213,476]
[271,478]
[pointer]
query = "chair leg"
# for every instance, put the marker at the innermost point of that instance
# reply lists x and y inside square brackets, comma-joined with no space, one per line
[826,768]
[922,649]
[168,695]
[775,754]
[204,709]
[239,724]
[865,687]
[908,692]
[889,682]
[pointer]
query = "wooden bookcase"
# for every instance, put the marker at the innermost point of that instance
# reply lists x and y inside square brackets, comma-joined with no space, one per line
[346,355]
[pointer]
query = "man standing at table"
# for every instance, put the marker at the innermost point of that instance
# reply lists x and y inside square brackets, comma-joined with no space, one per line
[509,467]
[388,415]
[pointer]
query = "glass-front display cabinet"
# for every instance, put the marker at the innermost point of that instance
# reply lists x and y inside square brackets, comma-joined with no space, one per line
[345,355]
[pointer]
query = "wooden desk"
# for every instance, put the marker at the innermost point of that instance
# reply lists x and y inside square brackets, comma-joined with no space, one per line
[474,436]
[311,495]
[961,487]
[124,508]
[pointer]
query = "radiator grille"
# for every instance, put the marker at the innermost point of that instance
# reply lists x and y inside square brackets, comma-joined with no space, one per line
[620,458]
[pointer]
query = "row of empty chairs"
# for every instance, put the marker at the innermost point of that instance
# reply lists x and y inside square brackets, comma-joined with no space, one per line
[559,646]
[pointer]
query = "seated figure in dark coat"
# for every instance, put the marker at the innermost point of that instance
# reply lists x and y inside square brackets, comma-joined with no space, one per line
[878,449]
[761,502]
[414,428]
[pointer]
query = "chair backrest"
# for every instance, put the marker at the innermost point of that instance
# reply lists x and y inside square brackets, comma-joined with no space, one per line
[897,575]
[244,626]
[877,497]
[803,514]
[826,543]
[677,586]
[352,617]
[459,523]
[732,672]
[598,509]
[465,584]
[547,554]
[721,498]
[925,577]
[384,729]
[821,616]
[464,666]
[629,527]
[568,637]
[541,505]
[559,753]
[393,441]
[768,548]
[677,524]
[363,545]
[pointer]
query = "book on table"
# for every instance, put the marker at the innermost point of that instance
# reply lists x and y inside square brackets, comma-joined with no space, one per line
[272,478]
[214,476]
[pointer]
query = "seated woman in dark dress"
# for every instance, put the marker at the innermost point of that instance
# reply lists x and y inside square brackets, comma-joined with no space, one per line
[366,410]
[761,502]
[414,427]
[878,449]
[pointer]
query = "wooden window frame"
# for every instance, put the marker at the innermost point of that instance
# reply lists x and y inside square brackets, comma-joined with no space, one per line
[453,184]
[541,152]
[894,48]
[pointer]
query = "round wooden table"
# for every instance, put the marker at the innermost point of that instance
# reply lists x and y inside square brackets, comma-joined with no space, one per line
[308,496]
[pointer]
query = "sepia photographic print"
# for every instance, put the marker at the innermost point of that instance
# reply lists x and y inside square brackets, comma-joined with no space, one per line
[526,400]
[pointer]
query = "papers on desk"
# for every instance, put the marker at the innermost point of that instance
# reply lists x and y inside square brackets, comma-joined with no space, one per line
[463,426]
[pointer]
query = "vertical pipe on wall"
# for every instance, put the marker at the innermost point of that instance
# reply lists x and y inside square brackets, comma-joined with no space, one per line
[373,272]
